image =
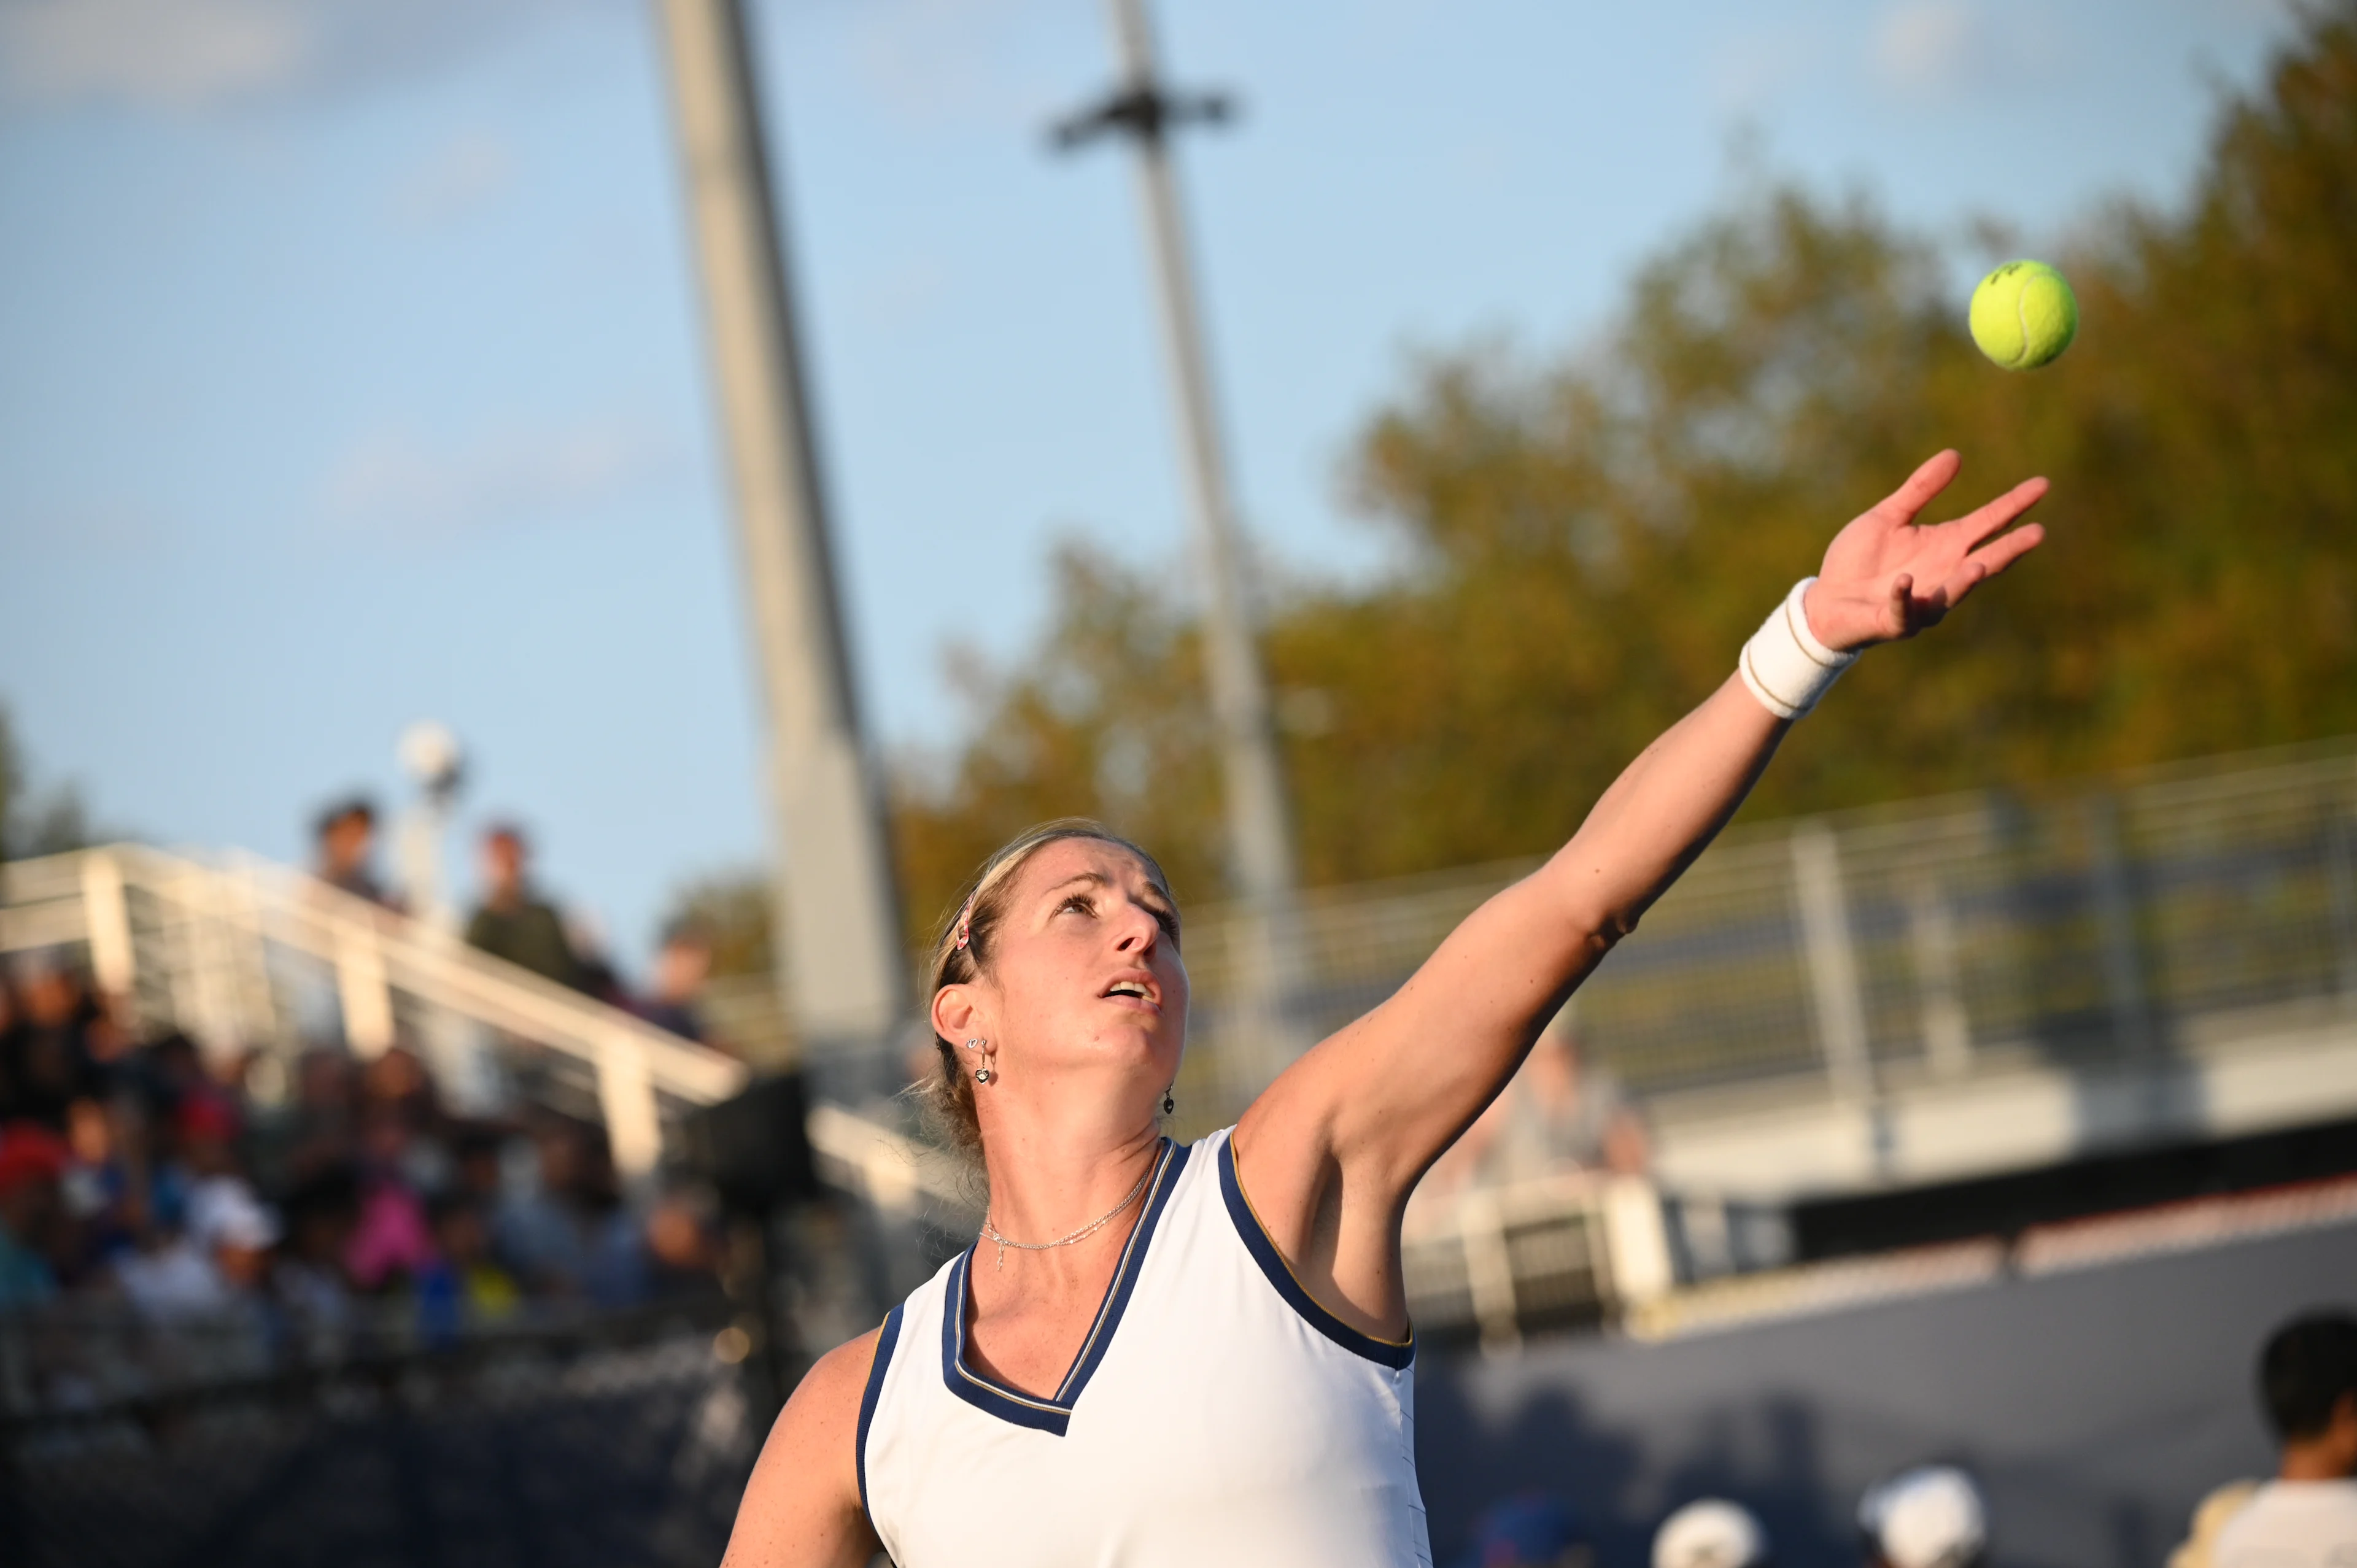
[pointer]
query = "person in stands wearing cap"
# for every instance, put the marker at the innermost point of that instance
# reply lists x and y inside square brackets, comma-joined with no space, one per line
[1711,1532]
[2306,1517]
[1929,1517]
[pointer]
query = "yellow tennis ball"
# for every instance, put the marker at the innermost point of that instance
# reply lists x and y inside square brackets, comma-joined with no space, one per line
[2024,314]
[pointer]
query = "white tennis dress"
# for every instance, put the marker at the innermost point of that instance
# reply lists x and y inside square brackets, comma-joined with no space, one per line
[1215,1414]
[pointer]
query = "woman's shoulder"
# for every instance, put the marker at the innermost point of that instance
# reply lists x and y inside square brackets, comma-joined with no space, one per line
[845,1367]
[825,1404]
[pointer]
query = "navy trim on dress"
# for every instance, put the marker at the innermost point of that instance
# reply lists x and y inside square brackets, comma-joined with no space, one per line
[1392,1353]
[886,1338]
[1054,1415]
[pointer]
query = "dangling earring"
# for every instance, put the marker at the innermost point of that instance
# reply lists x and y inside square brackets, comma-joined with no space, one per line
[981,1074]
[1168,1105]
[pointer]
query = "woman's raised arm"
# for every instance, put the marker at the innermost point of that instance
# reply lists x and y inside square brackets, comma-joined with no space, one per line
[1329,1152]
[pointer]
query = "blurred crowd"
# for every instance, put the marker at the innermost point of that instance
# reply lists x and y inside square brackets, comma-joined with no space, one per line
[142,1173]
[1934,1515]
[312,1208]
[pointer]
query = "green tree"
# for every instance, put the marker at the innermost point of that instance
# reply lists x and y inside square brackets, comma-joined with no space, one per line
[731,911]
[35,823]
[1584,544]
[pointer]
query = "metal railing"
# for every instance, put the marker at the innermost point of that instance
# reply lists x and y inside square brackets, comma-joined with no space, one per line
[1572,1250]
[2099,924]
[240,954]
[244,955]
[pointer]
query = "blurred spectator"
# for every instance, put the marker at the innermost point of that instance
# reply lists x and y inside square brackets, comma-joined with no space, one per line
[232,1231]
[568,1234]
[389,1242]
[595,961]
[308,1278]
[464,1286]
[344,839]
[44,1060]
[175,1078]
[98,1184]
[2307,1514]
[681,968]
[1530,1532]
[679,1239]
[1559,1112]
[1710,1532]
[315,1129]
[513,922]
[168,1277]
[1929,1517]
[2200,1547]
[396,1087]
[479,1165]
[32,1161]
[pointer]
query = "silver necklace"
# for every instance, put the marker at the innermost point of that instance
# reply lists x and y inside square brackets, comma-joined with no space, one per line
[990,1232]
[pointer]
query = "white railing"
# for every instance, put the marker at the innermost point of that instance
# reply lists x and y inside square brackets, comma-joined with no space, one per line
[2100,922]
[1574,1248]
[243,955]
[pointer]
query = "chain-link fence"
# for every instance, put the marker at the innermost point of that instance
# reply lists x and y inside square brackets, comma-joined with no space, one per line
[614,1441]
[2103,921]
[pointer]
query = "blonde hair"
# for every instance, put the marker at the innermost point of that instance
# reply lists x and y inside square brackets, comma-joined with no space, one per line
[961,951]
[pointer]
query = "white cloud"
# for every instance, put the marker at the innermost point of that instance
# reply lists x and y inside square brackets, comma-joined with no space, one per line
[192,53]
[1945,49]
[1931,45]
[391,479]
[461,176]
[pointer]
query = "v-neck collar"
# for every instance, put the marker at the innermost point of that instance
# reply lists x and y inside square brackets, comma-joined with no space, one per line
[1054,1414]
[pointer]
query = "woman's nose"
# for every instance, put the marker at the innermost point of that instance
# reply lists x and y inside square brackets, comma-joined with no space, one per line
[1139,930]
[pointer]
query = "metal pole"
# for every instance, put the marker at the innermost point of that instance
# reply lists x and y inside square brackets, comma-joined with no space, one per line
[1830,957]
[1261,872]
[1260,835]
[838,909]
[2114,901]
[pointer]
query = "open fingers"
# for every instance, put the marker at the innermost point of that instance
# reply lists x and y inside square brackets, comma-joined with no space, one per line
[1929,481]
[1979,525]
[1993,558]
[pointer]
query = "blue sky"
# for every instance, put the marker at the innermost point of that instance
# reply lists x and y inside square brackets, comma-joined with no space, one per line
[350,368]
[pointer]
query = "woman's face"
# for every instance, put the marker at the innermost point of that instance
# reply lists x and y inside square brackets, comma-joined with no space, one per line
[1084,977]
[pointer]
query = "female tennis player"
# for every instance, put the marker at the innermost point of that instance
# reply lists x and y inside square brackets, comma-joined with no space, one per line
[1157,1355]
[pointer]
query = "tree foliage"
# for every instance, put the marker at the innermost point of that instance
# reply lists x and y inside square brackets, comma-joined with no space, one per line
[46,822]
[1585,544]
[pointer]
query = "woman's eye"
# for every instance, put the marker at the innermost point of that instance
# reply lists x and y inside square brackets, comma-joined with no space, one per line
[1079,901]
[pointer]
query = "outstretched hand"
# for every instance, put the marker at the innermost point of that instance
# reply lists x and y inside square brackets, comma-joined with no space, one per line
[1886,577]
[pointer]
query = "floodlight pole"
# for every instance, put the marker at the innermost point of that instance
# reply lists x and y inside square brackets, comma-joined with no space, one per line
[1261,863]
[839,923]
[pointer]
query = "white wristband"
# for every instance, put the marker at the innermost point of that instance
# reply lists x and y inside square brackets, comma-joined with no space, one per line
[1785,665]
